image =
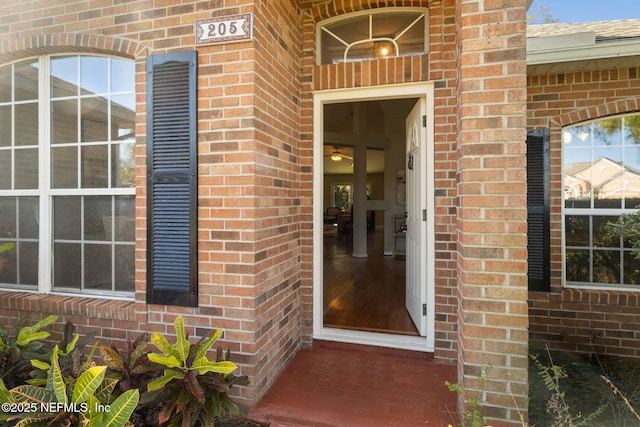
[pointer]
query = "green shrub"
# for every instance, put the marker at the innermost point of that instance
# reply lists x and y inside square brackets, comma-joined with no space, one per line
[68,401]
[18,348]
[192,388]
[130,366]
[472,417]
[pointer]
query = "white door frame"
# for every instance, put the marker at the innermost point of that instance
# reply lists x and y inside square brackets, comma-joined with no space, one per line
[408,90]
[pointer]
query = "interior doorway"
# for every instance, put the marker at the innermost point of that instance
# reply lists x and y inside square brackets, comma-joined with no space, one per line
[364,274]
[364,292]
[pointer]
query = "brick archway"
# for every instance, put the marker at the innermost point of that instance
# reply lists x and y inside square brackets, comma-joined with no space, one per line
[628,105]
[12,50]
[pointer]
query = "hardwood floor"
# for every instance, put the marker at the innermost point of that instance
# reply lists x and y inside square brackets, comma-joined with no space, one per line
[365,294]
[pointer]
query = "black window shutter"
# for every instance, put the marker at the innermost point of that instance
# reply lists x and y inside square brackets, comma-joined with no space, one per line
[172,275]
[538,209]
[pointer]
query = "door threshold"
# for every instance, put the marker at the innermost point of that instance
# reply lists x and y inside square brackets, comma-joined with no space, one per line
[404,342]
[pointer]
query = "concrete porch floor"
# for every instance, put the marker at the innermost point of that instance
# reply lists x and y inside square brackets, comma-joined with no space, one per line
[333,384]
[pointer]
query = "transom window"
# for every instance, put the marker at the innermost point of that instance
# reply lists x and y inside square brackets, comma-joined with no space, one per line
[373,34]
[601,179]
[67,196]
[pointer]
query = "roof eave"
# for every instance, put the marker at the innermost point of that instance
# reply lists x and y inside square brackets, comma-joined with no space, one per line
[548,50]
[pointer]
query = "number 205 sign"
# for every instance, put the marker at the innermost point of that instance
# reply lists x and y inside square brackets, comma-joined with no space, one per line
[224,29]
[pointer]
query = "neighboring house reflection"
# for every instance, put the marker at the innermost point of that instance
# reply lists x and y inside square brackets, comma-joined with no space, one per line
[605,179]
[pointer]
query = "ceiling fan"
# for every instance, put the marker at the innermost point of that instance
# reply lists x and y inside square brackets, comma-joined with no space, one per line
[336,156]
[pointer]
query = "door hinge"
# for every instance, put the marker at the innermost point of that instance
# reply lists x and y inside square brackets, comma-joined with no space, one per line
[424,309]
[424,214]
[424,121]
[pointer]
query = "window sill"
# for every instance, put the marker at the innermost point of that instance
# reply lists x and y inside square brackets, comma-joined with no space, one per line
[67,305]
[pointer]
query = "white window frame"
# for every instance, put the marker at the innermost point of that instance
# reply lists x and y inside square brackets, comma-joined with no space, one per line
[321,27]
[591,212]
[45,193]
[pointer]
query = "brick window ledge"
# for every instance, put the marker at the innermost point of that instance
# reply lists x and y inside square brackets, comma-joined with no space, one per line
[67,305]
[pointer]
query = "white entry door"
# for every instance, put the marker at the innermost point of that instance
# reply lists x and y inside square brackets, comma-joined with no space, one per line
[416,264]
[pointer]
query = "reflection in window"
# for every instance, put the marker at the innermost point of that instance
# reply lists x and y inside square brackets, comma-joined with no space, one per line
[380,33]
[89,187]
[601,180]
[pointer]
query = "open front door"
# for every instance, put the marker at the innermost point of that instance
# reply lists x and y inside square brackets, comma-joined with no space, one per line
[416,295]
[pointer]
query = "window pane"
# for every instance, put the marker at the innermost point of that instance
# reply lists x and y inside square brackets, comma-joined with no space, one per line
[123,117]
[631,177]
[125,218]
[601,236]
[606,266]
[352,29]
[66,218]
[413,41]
[8,266]
[371,36]
[26,128]
[632,130]
[362,51]
[577,230]
[5,169]
[577,136]
[94,76]
[577,265]
[631,269]
[123,167]
[26,168]
[92,137]
[26,80]
[64,166]
[95,166]
[577,178]
[67,265]
[5,125]
[5,84]
[64,76]
[8,218]
[606,177]
[97,212]
[122,75]
[97,267]
[95,120]
[28,263]
[601,177]
[64,121]
[607,132]
[124,268]
[29,217]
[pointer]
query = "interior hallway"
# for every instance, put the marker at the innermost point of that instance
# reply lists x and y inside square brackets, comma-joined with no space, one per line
[366,294]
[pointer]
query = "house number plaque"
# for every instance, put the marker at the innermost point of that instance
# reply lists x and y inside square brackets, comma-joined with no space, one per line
[224,29]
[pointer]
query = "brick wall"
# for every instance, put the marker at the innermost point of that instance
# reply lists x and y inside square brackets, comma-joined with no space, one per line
[491,238]
[585,321]
[249,170]
[255,162]
[437,65]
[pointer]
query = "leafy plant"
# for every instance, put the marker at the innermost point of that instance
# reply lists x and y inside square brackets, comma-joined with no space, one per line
[71,359]
[557,405]
[4,248]
[472,417]
[130,366]
[19,347]
[193,388]
[628,227]
[68,401]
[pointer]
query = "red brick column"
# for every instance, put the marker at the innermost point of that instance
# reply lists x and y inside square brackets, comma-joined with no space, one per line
[492,227]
